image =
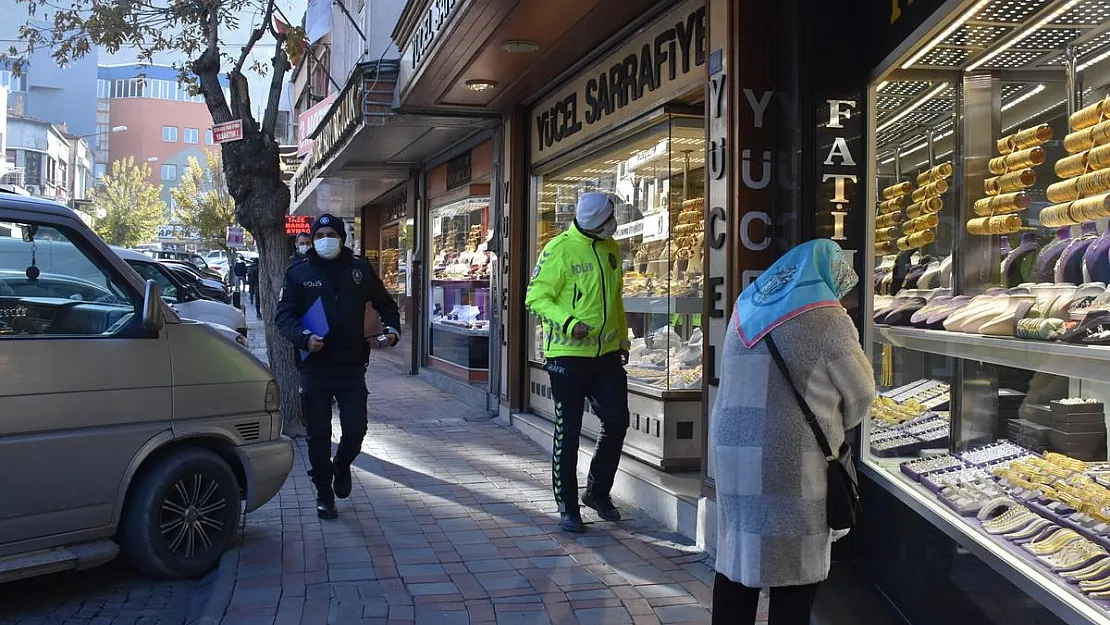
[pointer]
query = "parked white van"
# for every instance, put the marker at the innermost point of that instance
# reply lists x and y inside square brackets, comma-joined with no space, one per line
[122,427]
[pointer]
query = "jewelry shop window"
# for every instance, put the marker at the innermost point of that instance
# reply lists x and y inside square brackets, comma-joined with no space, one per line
[657,179]
[990,188]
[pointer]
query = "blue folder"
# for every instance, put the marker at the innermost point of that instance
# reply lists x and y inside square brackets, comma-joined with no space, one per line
[315,321]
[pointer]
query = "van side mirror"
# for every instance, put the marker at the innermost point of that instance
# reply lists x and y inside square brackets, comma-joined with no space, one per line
[152,308]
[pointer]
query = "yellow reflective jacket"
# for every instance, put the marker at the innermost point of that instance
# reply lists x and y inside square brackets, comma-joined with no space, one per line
[579,278]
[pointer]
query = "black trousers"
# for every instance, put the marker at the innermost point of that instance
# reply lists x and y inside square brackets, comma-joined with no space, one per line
[736,604]
[573,380]
[348,387]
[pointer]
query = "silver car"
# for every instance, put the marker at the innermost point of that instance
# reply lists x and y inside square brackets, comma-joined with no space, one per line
[122,427]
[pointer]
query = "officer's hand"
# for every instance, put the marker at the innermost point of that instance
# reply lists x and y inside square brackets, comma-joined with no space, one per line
[315,343]
[580,330]
[624,357]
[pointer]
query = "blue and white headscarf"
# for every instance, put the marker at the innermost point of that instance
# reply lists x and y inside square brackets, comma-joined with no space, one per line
[814,274]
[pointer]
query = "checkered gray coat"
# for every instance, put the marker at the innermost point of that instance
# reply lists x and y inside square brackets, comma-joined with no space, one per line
[769,472]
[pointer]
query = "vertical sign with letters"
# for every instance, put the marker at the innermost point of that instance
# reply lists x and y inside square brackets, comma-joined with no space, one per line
[840,206]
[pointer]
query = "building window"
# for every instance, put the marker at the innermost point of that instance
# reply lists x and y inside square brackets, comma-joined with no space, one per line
[169,134]
[208,137]
[192,135]
[100,170]
[169,172]
[13,83]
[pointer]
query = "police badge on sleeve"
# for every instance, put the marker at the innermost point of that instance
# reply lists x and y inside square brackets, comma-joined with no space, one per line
[356,275]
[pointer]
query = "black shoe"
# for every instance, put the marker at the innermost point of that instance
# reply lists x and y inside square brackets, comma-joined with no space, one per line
[325,509]
[602,505]
[341,483]
[571,522]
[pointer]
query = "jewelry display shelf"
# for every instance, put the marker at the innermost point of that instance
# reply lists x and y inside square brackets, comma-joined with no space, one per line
[1008,560]
[664,305]
[1087,362]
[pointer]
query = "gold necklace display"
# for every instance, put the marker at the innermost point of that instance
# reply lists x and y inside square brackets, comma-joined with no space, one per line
[999,212]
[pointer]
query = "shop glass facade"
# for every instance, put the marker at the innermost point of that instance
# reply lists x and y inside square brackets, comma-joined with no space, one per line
[459,303]
[990,325]
[658,178]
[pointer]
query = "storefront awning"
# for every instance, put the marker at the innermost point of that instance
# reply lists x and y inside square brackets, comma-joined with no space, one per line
[364,147]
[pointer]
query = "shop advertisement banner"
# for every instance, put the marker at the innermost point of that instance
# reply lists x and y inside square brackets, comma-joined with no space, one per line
[309,120]
[236,238]
[660,63]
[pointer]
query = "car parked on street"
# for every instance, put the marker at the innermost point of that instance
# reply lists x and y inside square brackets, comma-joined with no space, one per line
[214,290]
[185,299]
[123,427]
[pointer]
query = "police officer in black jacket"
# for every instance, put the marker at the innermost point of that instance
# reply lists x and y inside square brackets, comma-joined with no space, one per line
[336,363]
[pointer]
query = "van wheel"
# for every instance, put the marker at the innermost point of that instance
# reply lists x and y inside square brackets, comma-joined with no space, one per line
[182,515]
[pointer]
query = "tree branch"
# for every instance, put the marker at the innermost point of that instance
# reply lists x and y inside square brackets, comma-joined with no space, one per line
[273,100]
[256,34]
[207,69]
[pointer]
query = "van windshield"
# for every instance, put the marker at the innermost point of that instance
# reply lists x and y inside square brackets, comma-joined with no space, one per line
[41,261]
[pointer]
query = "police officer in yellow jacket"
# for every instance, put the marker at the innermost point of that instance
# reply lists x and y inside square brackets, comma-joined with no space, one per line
[575,292]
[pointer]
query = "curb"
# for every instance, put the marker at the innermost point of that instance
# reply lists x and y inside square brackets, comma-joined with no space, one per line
[219,585]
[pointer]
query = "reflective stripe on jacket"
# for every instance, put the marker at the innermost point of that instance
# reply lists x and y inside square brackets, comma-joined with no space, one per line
[579,278]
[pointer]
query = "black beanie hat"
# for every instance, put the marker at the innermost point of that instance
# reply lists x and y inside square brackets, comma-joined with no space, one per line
[330,221]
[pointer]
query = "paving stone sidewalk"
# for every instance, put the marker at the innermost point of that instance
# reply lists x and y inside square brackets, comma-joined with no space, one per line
[451,521]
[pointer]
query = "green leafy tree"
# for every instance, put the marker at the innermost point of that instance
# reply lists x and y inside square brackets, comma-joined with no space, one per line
[204,205]
[127,207]
[196,29]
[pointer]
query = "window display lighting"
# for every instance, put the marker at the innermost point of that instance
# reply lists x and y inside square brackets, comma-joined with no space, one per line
[1020,34]
[1095,61]
[1023,97]
[945,34]
[912,107]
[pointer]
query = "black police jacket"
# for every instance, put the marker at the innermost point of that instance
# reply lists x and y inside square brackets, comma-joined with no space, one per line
[344,285]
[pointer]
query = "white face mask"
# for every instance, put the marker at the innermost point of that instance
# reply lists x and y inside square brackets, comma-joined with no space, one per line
[607,230]
[328,248]
[303,249]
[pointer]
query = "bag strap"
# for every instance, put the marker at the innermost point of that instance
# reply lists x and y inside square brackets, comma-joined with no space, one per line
[811,418]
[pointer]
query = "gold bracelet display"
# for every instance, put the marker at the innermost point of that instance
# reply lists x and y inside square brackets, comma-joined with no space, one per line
[1077,212]
[886,234]
[893,191]
[888,220]
[1088,184]
[1003,224]
[925,222]
[883,248]
[1087,138]
[1025,158]
[1090,115]
[933,189]
[1013,181]
[1002,204]
[925,207]
[1098,158]
[916,240]
[1072,166]
[940,172]
[893,204]
[1023,139]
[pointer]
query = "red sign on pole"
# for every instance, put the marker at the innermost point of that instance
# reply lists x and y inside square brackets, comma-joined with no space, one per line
[296,224]
[228,131]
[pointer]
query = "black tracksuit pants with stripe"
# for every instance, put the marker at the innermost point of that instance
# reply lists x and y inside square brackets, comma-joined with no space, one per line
[603,381]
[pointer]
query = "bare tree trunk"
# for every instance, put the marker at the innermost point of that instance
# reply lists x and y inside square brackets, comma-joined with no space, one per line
[272,257]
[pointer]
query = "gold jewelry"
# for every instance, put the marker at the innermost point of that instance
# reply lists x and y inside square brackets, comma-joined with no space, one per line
[1089,571]
[1002,204]
[1016,160]
[1028,531]
[894,191]
[1089,115]
[1053,542]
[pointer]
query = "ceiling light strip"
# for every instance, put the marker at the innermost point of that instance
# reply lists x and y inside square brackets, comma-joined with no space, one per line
[913,107]
[1020,34]
[945,34]
[1023,97]
[1098,59]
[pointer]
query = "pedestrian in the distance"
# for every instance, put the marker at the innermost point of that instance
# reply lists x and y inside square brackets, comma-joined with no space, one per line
[239,270]
[771,475]
[335,365]
[576,292]
[301,247]
[252,285]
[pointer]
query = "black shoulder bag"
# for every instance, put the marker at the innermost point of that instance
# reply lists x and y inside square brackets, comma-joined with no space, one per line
[842,502]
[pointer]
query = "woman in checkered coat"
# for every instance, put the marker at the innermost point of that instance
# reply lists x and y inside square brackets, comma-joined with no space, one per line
[770,474]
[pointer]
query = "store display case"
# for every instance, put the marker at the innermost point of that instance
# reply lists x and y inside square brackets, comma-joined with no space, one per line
[459,300]
[657,178]
[990,322]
